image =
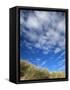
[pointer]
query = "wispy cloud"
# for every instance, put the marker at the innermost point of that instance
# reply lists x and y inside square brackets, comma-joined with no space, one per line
[44,31]
[43,63]
[59,57]
[57,50]
[40,32]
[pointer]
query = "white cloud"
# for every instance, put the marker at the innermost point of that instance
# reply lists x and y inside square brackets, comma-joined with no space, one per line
[57,50]
[61,42]
[42,40]
[32,22]
[22,20]
[42,16]
[61,26]
[31,35]
[61,68]
[37,45]
[45,30]
[61,62]
[44,62]
[27,44]
[60,56]
[52,36]
[38,59]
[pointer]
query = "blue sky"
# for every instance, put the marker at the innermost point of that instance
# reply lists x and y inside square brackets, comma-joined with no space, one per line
[42,39]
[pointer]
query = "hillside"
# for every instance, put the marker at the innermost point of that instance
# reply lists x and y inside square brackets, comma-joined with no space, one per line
[29,71]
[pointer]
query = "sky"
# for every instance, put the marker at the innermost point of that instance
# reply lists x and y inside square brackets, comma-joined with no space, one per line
[42,39]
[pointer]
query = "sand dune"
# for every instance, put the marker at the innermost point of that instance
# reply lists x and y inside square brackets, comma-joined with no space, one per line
[29,71]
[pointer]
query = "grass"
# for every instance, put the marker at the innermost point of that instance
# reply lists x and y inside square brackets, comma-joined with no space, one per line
[29,71]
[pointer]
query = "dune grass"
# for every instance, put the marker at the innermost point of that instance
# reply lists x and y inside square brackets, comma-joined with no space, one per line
[29,71]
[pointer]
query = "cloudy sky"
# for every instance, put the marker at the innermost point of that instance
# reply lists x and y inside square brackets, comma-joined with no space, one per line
[42,39]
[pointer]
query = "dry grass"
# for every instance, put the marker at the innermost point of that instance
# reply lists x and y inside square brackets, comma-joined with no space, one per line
[57,75]
[31,72]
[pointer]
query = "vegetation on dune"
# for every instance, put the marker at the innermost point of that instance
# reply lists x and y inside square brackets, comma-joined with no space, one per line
[57,75]
[30,72]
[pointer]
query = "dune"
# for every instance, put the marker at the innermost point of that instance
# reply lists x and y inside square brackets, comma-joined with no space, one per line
[29,71]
